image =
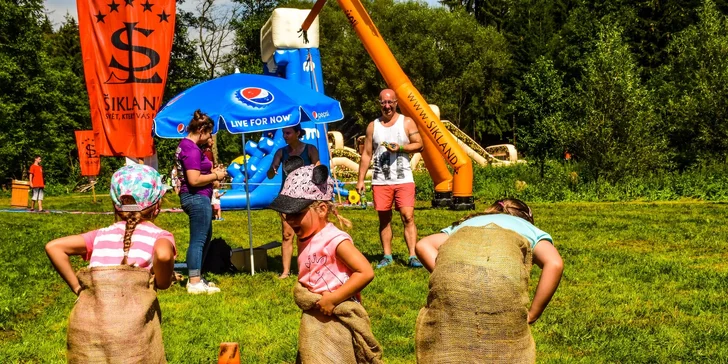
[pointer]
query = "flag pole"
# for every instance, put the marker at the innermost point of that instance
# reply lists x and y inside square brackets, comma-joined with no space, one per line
[247,205]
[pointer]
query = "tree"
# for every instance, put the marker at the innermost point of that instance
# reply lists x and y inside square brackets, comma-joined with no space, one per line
[486,12]
[454,62]
[246,48]
[541,103]
[694,89]
[214,25]
[184,72]
[43,99]
[616,131]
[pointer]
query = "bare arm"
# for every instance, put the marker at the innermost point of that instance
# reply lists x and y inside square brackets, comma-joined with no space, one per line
[366,157]
[313,155]
[360,278]
[195,179]
[549,260]
[163,263]
[273,170]
[30,178]
[428,248]
[415,139]
[59,252]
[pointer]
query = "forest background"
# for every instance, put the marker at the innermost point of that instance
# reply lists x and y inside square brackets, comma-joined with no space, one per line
[636,91]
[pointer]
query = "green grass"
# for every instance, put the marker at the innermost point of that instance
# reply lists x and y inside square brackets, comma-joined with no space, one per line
[643,282]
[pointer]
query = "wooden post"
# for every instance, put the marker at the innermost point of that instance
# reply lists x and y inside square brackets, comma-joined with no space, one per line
[333,171]
[92,180]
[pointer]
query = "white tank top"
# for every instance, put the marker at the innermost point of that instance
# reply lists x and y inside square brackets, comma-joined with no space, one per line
[390,168]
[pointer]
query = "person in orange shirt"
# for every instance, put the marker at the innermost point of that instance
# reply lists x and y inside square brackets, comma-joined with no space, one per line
[36,184]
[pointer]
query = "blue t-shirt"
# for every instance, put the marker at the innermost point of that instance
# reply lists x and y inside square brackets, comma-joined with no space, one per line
[510,222]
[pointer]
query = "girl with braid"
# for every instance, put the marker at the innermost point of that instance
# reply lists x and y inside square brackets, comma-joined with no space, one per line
[117,315]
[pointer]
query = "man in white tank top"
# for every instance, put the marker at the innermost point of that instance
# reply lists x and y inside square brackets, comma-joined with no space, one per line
[389,140]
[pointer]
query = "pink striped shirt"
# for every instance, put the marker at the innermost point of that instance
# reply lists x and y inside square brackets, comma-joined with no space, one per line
[105,246]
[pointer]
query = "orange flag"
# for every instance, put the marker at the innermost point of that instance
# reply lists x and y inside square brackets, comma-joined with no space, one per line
[126,46]
[87,154]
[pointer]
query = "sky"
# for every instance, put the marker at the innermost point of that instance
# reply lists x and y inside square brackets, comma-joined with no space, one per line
[58,9]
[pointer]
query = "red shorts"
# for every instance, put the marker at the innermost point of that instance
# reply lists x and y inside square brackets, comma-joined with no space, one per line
[403,195]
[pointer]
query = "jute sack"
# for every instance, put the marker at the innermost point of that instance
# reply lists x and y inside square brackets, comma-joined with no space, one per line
[476,310]
[345,337]
[116,319]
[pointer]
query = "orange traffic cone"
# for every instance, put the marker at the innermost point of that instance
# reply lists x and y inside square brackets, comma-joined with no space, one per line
[229,354]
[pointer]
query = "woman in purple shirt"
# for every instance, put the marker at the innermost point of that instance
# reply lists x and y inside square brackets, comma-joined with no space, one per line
[196,176]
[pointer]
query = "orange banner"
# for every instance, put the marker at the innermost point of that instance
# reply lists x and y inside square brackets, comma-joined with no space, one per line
[87,154]
[126,46]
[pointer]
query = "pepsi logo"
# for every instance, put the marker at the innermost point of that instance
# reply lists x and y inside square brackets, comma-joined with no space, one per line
[255,96]
[180,128]
[317,115]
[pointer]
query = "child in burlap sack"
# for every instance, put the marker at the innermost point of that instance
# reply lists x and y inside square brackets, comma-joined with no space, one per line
[477,306]
[335,327]
[116,318]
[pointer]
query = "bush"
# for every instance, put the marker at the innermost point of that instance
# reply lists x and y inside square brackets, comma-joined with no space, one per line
[568,182]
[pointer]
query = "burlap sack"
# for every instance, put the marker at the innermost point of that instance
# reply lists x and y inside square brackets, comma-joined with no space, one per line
[345,337]
[476,310]
[116,319]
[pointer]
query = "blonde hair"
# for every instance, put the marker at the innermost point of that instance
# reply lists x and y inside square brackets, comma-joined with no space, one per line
[133,218]
[331,208]
[509,206]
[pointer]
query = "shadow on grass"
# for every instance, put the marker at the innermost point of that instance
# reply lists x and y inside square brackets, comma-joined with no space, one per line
[215,262]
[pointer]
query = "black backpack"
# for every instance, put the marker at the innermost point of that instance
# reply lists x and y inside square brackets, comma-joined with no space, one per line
[217,260]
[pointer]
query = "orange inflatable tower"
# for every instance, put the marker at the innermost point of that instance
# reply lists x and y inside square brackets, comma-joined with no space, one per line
[440,145]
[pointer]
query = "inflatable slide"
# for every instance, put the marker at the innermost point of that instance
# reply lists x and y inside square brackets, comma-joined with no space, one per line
[285,55]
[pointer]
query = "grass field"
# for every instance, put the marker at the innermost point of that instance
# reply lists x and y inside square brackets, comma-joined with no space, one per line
[643,282]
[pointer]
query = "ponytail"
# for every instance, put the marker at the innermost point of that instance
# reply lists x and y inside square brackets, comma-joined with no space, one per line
[334,211]
[200,123]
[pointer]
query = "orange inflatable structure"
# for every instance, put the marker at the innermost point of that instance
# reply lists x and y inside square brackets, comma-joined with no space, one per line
[455,191]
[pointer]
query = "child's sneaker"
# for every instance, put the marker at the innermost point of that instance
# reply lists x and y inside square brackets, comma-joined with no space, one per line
[387,260]
[201,288]
[414,262]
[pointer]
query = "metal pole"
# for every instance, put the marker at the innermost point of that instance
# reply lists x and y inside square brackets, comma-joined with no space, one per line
[247,205]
